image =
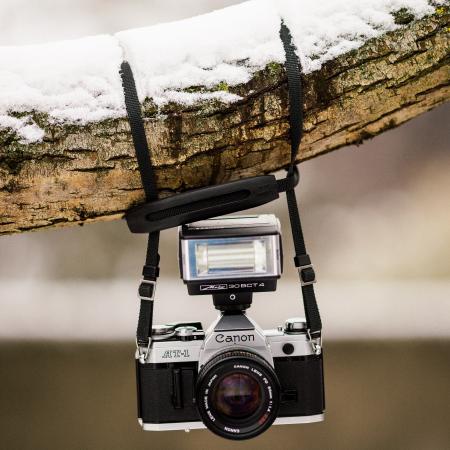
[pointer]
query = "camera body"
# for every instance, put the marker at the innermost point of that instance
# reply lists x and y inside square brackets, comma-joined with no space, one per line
[190,377]
[234,378]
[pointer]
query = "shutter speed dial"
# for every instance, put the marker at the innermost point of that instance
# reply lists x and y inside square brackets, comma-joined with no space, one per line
[185,333]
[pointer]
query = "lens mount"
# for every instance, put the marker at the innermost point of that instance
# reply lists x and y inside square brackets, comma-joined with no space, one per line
[238,395]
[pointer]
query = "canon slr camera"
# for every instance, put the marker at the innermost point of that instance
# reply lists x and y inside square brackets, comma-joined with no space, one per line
[234,378]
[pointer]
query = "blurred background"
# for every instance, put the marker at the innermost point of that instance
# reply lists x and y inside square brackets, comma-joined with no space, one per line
[376,220]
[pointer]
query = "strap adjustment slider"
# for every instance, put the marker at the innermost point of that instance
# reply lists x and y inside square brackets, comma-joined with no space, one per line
[147,290]
[307,275]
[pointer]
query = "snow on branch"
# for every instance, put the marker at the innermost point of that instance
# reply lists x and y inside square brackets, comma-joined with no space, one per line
[185,62]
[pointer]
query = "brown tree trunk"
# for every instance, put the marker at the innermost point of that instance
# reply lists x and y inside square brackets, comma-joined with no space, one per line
[89,173]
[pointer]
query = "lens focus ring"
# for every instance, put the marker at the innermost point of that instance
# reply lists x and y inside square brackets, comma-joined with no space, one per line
[237,394]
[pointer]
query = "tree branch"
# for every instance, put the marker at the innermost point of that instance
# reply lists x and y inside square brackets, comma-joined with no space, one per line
[89,173]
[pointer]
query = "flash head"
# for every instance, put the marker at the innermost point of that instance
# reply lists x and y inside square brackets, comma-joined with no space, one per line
[231,254]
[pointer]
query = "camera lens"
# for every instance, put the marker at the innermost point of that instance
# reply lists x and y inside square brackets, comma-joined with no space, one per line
[237,394]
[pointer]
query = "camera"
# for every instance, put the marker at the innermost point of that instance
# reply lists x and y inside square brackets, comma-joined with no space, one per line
[234,378]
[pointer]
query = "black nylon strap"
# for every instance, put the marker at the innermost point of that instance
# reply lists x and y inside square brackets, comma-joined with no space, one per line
[150,271]
[293,71]
[301,260]
[138,133]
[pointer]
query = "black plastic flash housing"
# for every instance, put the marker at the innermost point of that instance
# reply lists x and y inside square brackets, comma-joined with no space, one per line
[231,255]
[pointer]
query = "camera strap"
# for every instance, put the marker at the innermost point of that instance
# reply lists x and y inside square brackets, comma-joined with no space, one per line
[150,270]
[301,260]
[212,201]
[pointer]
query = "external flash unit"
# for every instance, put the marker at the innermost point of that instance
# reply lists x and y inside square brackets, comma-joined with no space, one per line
[231,254]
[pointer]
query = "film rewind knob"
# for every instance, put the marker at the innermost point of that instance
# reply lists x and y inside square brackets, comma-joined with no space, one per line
[295,325]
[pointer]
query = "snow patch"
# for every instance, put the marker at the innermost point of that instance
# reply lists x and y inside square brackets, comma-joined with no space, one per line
[72,81]
[223,46]
[78,81]
[27,131]
[189,99]
[323,30]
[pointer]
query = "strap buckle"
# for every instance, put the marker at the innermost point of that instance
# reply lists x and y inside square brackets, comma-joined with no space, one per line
[143,352]
[316,342]
[307,275]
[141,292]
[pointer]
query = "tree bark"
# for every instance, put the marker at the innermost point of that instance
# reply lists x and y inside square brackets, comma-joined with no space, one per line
[89,173]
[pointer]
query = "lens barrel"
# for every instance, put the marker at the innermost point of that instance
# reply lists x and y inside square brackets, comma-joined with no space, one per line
[238,395]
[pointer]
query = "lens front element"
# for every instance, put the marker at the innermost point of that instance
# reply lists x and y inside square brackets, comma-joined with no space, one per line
[237,395]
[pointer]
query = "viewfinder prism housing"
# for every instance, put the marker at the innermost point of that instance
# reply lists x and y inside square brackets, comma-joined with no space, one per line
[233,254]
